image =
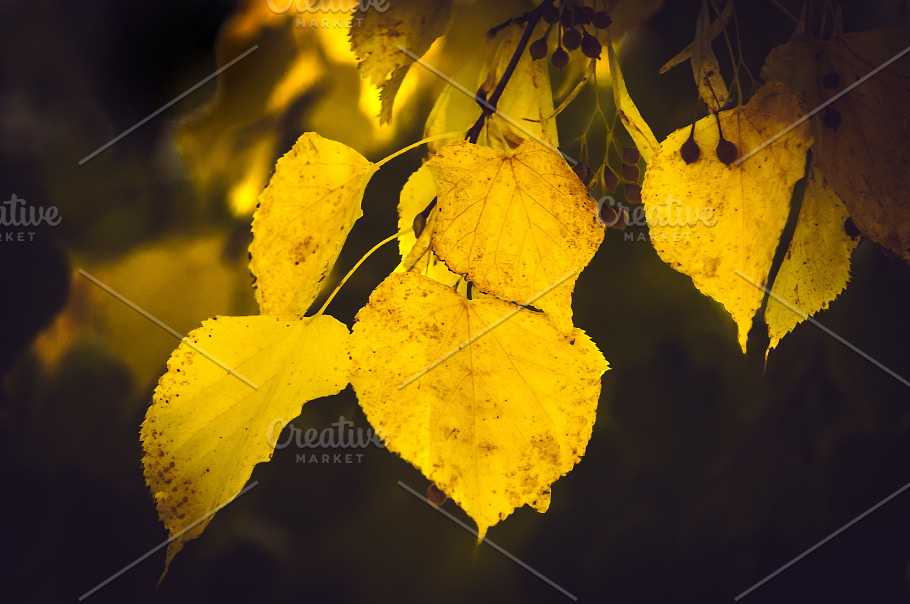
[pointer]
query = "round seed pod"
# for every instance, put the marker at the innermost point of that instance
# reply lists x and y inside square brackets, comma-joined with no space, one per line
[538,48]
[610,178]
[630,173]
[601,20]
[608,215]
[632,191]
[585,175]
[630,156]
[435,496]
[690,151]
[559,58]
[726,152]
[590,46]
[571,38]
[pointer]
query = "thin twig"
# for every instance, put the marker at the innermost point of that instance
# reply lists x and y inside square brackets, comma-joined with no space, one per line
[489,104]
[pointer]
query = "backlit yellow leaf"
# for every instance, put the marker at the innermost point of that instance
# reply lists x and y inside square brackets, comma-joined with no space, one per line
[817,266]
[304,217]
[301,77]
[628,113]
[207,428]
[862,136]
[747,204]
[525,109]
[494,425]
[231,144]
[515,223]
[454,110]
[705,67]
[378,32]
[182,279]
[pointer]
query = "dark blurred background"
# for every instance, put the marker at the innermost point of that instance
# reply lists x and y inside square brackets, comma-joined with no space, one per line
[703,475]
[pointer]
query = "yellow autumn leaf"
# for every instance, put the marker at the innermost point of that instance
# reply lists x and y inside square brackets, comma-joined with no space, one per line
[378,33]
[494,425]
[453,109]
[862,136]
[628,113]
[305,214]
[525,109]
[300,77]
[416,256]
[207,284]
[709,220]
[816,268]
[207,428]
[514,222]
[231,144]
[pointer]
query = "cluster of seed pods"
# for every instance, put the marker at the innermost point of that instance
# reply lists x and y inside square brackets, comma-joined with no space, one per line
[570,22]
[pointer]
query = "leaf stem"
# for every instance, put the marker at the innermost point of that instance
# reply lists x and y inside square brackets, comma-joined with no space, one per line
[720,131]
[355,267]
[589,73]
[733,61]
[489,104]
[428,139]
[784,10]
